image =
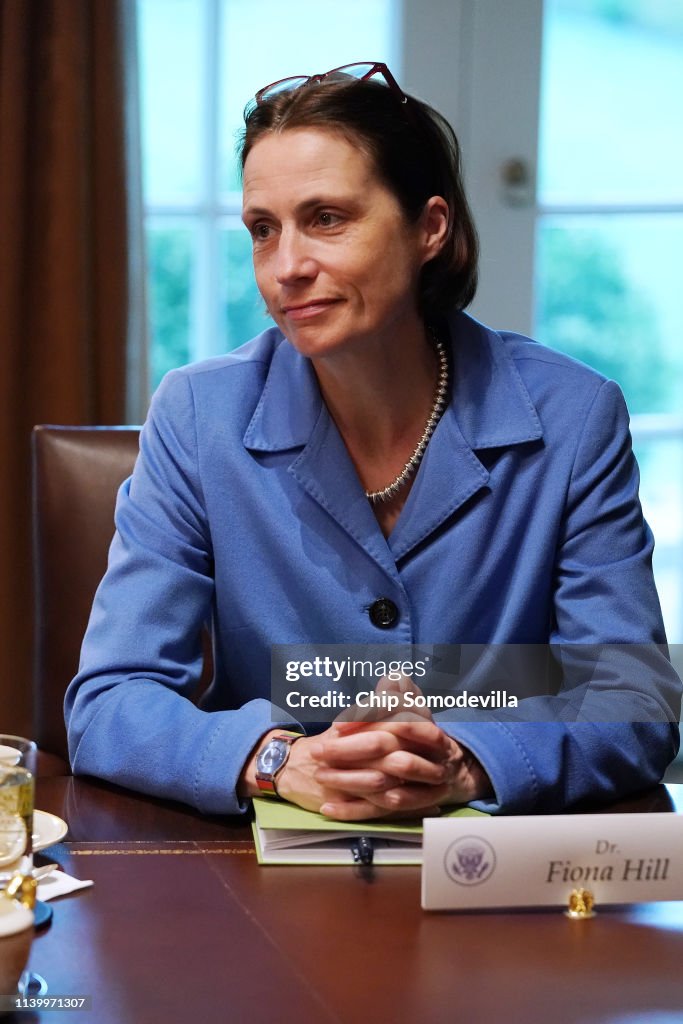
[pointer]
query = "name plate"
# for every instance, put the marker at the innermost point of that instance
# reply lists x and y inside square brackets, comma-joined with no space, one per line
[536,861]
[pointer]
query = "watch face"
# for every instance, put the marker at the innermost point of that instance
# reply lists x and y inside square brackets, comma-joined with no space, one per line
[272,757]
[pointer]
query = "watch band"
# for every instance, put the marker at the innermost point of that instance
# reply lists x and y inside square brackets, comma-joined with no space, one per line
[266,780]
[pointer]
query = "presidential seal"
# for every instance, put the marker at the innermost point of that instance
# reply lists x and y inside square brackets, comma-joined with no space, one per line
[470,860]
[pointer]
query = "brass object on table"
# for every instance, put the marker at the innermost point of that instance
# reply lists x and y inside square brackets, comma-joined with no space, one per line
[581,903]
[22,888]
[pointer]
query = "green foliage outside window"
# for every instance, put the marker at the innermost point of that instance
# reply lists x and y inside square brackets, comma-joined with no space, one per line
[588,308]
[169,253]
[243,309]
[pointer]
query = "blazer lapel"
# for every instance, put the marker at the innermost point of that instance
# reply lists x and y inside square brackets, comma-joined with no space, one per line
[449,474]
[489,408]
[291,415]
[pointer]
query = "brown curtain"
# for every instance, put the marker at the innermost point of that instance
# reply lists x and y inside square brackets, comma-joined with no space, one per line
[70,262]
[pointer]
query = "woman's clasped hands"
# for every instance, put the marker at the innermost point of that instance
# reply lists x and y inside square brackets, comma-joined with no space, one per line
[389,764]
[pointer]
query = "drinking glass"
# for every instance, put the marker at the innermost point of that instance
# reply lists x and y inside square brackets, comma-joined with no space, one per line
[17,774]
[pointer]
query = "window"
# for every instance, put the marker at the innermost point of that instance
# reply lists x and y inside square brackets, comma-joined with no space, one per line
[200,61]
[584,253]
[610,231]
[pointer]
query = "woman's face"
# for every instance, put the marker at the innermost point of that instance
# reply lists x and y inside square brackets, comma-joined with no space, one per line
[335,258]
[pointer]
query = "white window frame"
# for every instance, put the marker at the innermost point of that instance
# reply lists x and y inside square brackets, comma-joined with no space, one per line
[214,210]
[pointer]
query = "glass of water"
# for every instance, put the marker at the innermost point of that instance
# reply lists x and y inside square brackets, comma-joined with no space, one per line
[17,775]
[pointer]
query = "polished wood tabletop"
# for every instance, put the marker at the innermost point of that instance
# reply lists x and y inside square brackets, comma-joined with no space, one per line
[183,925]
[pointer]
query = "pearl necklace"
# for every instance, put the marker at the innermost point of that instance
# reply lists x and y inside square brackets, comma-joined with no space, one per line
[438,405]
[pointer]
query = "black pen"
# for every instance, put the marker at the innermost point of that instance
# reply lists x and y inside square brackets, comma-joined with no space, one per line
[363,850]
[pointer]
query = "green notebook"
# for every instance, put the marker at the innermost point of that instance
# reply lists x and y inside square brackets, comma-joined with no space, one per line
[286,834]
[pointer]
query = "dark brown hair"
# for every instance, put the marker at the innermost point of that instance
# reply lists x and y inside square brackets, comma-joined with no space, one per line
[416,154]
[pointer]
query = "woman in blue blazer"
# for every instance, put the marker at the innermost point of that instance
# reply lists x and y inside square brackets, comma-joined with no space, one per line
[377,469]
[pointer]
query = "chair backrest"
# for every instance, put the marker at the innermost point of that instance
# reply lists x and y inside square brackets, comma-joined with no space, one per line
[76,474]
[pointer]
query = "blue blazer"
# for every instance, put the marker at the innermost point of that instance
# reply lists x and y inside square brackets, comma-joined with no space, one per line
[523,526]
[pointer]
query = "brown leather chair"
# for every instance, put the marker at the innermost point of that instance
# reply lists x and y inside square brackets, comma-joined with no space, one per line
[76,474]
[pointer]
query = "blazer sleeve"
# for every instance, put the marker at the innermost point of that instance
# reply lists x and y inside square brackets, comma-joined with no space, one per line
[613,727]
[129,715]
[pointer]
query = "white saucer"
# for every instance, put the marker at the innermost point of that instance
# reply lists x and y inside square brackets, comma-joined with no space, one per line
[47,830]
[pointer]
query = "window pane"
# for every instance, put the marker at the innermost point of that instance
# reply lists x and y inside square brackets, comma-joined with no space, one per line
[661,491]
[171,253]
[243,311]
[611,101]
[171,62]
[608,292]
[260,45]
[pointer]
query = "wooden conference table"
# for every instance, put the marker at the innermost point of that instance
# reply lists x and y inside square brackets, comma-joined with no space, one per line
[182,925]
